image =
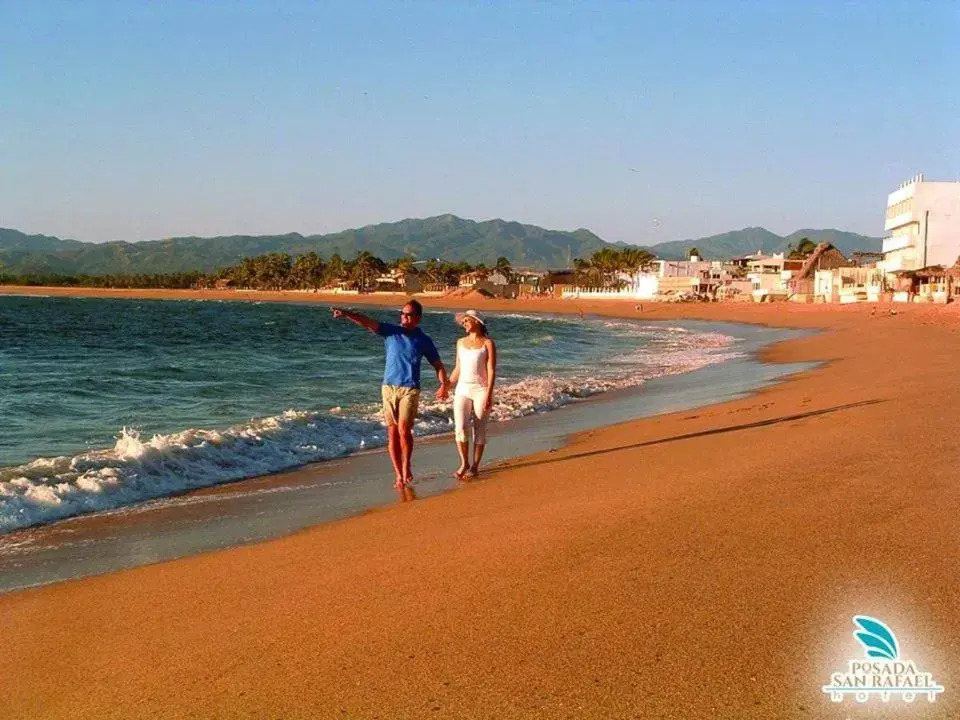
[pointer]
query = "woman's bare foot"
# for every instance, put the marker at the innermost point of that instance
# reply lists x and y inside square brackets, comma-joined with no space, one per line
[398,483]
[459,472]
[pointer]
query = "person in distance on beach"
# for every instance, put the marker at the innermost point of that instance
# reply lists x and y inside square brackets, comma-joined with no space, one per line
[406,344]
[474,374]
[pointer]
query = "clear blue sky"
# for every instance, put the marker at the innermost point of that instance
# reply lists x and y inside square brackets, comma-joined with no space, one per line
[643,122]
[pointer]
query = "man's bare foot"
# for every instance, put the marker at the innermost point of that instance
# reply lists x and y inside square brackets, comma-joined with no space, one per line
[473,472]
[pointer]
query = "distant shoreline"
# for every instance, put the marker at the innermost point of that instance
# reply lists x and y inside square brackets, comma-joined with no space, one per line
[292,296]
[775,314]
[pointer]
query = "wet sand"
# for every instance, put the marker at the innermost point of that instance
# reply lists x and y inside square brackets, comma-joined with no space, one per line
[701,564]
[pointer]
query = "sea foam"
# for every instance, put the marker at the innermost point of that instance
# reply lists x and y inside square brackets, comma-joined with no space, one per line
[138,468]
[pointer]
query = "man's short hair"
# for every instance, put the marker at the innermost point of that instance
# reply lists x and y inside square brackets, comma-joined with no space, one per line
[417,307]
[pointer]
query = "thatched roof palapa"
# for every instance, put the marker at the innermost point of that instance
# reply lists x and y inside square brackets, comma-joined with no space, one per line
[925,273]
[933,272]
[824,257]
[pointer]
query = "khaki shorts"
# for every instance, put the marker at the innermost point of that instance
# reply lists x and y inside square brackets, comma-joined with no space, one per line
[400,404]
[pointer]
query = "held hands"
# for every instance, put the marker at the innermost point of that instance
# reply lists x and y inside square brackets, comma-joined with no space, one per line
[483,411]
[443,392]
[488,403]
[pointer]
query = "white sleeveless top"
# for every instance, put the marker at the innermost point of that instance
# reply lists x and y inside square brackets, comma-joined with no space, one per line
[473,366]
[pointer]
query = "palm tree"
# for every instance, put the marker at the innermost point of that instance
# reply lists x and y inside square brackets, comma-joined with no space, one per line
[504,266]
[404,264]
[433,272]
[307,272]
[804,248]
[450,273]
[245,274]
[365,268]
[607,262]
[336,269]
[273,270]
[634,259]
[582,269]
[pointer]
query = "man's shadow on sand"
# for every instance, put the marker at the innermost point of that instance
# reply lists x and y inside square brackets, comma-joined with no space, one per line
[689,436]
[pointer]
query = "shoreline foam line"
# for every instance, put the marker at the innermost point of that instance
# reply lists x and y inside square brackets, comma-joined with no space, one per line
[138,468]
[238,513]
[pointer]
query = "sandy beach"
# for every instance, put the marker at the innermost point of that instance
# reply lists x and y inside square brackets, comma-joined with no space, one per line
[704,564]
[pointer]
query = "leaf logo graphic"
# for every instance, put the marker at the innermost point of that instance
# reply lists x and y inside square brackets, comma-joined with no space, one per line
[877,639]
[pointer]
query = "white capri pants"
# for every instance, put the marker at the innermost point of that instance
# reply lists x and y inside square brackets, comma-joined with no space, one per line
[468,409]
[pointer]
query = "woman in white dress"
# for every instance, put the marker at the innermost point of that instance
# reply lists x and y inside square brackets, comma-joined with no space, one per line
[474,377]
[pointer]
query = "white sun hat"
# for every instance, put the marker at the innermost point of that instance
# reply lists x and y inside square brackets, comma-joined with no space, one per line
[470,314]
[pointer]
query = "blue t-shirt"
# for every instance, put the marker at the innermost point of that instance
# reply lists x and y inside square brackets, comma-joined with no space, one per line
[404,350]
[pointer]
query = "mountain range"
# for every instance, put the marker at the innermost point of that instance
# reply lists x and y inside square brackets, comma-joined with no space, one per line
[447,237]
[753,239]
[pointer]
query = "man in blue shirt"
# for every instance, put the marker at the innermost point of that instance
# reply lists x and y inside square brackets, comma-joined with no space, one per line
[406,344]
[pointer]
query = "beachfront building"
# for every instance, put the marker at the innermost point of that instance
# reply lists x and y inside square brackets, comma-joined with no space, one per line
[635,286]
[530,277]
[344,287]
[642,284]
[804,286]
[677,277]
[498,277]
[529,282]
[680,268]
[398,280]
[478,277]
[438,289]
[934,284]
[923,222]
[469,279]
[849,285]
[663,279]
[703,278]
[494,283]
[769,275]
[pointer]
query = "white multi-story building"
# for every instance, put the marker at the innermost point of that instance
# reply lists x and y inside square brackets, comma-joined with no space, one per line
[923,222]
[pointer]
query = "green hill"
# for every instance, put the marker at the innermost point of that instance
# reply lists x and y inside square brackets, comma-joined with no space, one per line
[750,240]
[447,237]
[14,240]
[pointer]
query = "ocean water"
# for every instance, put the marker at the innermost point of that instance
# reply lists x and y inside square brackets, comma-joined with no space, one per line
[107,403]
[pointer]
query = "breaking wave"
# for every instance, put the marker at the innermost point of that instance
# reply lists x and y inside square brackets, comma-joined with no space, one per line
[138,468]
